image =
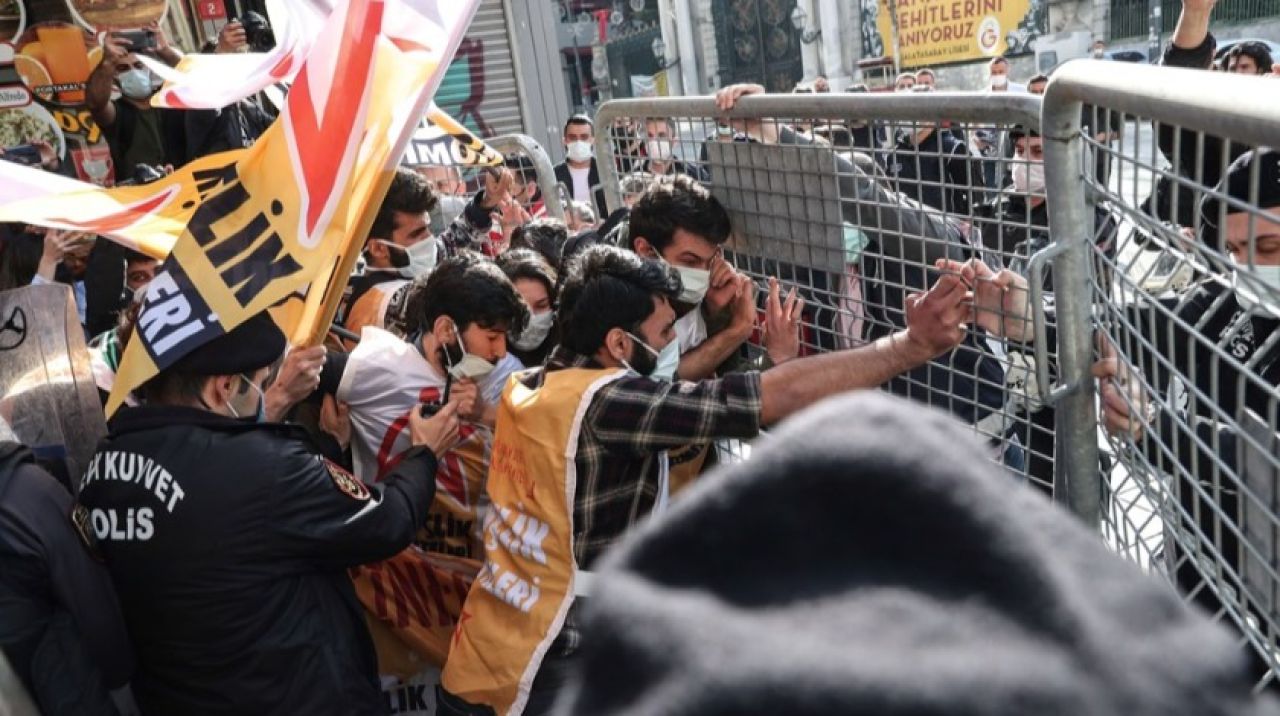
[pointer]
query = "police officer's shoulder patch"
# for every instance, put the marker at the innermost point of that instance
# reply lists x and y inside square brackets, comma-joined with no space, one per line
[80,520]
[348,484]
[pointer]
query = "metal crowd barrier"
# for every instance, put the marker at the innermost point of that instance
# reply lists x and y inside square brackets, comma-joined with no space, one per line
[838,207]
[1111,247]
[523,145]
[1188,488]
[455,185]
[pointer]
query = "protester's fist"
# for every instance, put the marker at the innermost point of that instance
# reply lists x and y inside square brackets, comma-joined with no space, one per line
[232,38]
[782,324]
[299,377]
[438,432]
[1200,6]
[722,286]
[1125,407]
[497,188]
[935,320]
[466,394]
[1001,305]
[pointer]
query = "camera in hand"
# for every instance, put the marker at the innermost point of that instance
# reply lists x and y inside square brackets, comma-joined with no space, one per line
[139,40]
[142,174]
[257,32]
[24,154]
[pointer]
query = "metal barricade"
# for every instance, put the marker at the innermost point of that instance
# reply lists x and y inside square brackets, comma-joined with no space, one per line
[1185,408]
[1179,470]
[522,145]
[852,200]
[456,184]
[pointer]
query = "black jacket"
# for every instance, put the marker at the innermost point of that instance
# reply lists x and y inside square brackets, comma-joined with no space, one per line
[593,180]
[60,624]
[1179,146]
[228,542]
[939,172]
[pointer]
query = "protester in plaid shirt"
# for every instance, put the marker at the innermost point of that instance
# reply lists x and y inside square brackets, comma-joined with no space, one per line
[616,312]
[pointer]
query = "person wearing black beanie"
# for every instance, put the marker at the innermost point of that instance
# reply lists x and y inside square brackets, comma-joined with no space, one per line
[899,577]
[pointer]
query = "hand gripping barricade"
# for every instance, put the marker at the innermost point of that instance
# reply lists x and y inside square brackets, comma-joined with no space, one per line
[853,199]
[1188,485]
[534,165]
[853,203]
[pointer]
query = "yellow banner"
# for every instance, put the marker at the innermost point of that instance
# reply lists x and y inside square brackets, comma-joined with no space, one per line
[934,32]
[263,224]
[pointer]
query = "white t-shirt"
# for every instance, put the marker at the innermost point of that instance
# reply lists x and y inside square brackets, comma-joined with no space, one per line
[691,329]
[384,379]
[581,183]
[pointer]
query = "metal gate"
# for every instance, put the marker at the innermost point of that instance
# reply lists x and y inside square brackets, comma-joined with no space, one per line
[756,43]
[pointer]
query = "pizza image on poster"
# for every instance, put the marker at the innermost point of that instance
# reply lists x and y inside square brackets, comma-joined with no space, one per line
[102,15]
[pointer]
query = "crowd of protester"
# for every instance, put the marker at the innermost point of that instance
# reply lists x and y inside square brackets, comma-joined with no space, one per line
[495,372]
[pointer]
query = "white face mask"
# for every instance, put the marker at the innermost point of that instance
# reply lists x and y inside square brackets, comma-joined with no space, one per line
[1099,54]
[580,151]
[658,149]
[1252,291]
[422,258]
[668,360]
[471,366]
[536,331]
[694,283]
[999,81]
[136,84]
[1028,178]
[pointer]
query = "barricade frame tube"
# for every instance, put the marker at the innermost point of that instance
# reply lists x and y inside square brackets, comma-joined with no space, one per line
[912,108]
[542,166]
[1077,479]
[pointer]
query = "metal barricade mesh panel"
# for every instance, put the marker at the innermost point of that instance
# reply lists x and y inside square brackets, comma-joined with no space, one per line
[854,211]
[1192,477]
[853,207]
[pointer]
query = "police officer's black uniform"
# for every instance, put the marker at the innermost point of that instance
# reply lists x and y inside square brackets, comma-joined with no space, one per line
[228,542]
[60,624]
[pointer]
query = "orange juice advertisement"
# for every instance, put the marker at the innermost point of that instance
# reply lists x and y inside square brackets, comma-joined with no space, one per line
[54,59]
[29,133]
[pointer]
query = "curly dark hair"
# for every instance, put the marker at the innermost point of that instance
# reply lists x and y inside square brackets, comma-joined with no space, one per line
[410,193]
[678,202]
[546,236]
[469,289]
[607,287]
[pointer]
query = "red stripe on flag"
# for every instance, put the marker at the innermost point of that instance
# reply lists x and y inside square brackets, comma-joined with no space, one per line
[130,215]
[341,110]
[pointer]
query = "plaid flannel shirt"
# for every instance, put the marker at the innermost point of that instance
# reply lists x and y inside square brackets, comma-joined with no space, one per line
[628,424]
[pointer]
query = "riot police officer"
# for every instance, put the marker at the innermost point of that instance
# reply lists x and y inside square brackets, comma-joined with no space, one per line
[228,539]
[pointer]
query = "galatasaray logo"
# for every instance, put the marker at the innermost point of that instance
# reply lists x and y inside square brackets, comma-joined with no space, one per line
[989,35]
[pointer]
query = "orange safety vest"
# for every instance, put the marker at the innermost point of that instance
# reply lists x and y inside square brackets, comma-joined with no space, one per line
[518,602]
